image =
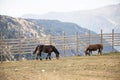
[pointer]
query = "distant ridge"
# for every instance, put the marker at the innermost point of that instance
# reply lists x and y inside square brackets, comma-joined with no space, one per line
[11,27]
[106,18]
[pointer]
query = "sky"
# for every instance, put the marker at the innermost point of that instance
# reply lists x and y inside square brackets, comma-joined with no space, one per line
[17,8]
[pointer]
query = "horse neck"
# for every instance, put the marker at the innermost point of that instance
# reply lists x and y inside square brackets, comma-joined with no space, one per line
[55,50]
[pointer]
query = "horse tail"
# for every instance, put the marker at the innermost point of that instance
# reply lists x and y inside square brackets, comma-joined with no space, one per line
[35,49]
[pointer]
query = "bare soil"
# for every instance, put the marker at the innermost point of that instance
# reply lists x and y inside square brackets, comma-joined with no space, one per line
[105,67]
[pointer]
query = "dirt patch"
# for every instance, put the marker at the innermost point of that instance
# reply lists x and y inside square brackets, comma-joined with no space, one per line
[106,67]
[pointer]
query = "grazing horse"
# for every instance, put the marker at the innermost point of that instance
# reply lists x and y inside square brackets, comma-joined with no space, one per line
[94,47]
[46,49]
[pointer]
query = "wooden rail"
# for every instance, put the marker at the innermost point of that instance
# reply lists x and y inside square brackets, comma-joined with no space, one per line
[77,42]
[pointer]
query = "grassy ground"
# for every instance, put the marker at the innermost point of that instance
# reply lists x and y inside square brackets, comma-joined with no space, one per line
[105,67]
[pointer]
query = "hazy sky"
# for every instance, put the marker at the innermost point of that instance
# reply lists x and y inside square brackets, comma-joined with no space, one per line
[17,8]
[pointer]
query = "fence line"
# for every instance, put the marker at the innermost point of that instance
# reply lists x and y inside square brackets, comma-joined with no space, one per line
[76,42]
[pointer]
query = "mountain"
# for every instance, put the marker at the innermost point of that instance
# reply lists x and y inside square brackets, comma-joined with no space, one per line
[11,27]
[56,27]
[17,27]
[106,18]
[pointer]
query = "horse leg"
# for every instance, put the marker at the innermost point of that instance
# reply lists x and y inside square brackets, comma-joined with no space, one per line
[100,51]
[89,52]
[49,56]
[40,56]
[37,56]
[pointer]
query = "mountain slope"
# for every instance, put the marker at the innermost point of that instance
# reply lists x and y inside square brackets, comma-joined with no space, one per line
[106,18]
[56,27]
[11,27]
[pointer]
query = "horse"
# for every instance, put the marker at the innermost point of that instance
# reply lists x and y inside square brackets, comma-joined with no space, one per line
[94,47]
[46,49]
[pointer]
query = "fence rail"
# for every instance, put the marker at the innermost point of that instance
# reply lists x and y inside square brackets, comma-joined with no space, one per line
[63,43]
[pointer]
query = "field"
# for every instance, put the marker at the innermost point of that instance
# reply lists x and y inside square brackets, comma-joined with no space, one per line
[105,67]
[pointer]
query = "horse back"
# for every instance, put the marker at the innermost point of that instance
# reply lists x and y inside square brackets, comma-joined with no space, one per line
[100,46]
[47,48]
[95,46]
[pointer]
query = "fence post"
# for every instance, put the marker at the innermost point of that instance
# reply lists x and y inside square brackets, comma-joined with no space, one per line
[89,35]
[64,46]
[35,43]
[101,36]
[50,42]
[19,46]
[77,43]
[1,39]
[35,38]
[112,40]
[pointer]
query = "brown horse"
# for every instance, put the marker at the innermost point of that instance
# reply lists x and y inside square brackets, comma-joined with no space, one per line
[46,49]
[94,47]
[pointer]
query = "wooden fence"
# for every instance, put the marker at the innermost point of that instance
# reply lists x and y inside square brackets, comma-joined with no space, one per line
[76,43]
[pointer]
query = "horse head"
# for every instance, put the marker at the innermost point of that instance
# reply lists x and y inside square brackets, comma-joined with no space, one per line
[57,56]
[56,52]
[86,52]
[34,52]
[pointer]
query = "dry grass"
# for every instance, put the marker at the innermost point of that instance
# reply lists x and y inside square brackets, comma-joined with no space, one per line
[106,67]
